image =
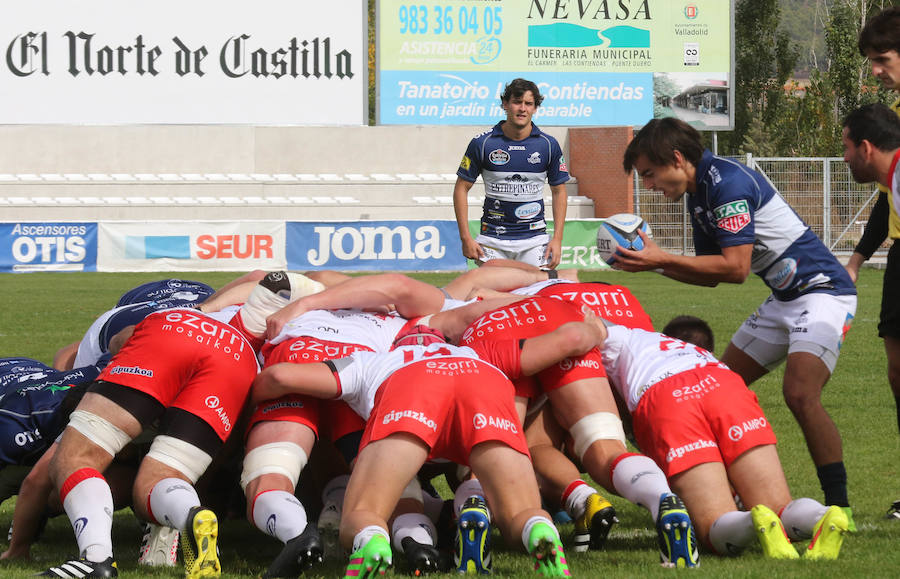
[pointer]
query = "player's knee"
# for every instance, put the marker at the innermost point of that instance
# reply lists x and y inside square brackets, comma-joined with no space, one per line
[279,458]
[181,456]
[594,427]
[99,430]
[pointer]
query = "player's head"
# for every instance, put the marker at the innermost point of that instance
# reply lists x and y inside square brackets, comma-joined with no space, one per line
[879,41]
[692,330]
[870,126]
[517,88]
[881,32]
[418,335]
[659,140]
[665,153]
[875,123]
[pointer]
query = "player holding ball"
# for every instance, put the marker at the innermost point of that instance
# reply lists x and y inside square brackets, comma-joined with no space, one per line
[741,224]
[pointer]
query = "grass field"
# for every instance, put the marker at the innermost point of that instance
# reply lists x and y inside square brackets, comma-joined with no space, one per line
[42,312]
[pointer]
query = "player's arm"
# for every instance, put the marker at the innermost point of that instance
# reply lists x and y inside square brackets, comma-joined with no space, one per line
[315,379]
[873,235]
[234,292]
[731,266]
[117,341]
[560,203]
[568,340]
[30,506]
[503,275]
[470,248]
[452,323]
[410,297]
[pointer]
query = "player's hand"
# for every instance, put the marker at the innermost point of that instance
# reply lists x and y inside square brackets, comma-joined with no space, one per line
[553,253]
[649,258]
[853,272]
[472,249]
[275,322]
[596,324]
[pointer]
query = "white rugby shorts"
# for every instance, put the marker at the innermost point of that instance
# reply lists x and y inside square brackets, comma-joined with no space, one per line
[815,323]
[529,250]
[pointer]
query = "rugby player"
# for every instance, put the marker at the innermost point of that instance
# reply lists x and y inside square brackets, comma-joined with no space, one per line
[705,429]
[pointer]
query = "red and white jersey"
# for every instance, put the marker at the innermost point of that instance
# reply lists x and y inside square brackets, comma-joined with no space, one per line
[362,373]
[370,330]
[636,359]
[611,302]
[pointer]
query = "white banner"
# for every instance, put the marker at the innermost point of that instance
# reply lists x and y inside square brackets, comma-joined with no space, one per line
[265,62]
[190,246]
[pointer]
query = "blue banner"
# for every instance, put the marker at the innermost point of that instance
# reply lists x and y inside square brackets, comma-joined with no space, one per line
[473,98]
[27,247]
[374,245]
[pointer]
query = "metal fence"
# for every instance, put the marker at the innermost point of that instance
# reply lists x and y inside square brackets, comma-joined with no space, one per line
[820,189]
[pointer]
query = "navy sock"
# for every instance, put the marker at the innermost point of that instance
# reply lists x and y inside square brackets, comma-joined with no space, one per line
[833,478]
[897,402]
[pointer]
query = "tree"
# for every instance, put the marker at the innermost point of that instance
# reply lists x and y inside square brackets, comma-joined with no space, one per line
[764,60]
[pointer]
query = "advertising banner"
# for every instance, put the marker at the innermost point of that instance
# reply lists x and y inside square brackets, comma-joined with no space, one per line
[28,247]
[597,62]
[268,62]
[374,245]
[191,246]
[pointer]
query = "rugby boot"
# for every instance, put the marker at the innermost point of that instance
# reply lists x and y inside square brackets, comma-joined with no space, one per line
[675,534]
[828,535]
[299,554]
[83,568]
[771,534]
[199,544]
[592,528]
[472,553]
[421,559]
[159,546]
[372,560]
[547,550]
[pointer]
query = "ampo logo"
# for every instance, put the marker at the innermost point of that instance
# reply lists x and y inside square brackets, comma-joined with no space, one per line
[735,433]
[567,364]
[212,401]
[479,421]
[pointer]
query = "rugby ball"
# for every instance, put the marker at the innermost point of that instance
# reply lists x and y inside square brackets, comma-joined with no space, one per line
[620,230]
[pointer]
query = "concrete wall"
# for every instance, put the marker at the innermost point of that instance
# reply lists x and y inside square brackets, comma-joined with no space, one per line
[212,149]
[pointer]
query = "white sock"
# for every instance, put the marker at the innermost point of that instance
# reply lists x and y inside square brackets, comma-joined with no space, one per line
[415,525]
[432,505]
[800,516]
[334,490]
[637,478]
[363,537]
[529,525]
[732,532]
[279,514]
[466,489]
[89,505]
[576,499]
[171,499]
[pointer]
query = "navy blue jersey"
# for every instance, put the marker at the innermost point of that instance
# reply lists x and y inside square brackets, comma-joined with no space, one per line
[30,416]
[96,340]
[187,290]
[514,173]
[16,370]
[735,205]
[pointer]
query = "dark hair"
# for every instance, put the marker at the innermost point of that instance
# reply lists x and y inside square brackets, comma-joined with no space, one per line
[518,87]
[875,123]
[691,329]
[660,138]
[881,32]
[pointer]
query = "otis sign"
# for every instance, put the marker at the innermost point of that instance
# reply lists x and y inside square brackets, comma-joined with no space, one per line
[374,245]
[28,247]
